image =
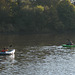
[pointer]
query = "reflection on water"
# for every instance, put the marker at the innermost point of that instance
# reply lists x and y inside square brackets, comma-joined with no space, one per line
[8,58]
[37,55]
[6,63]
[34,40]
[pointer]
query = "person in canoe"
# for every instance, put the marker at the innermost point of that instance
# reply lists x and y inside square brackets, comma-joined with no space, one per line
[4,50]
[69,42]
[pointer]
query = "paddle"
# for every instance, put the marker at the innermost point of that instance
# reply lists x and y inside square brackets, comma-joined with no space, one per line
[10,46]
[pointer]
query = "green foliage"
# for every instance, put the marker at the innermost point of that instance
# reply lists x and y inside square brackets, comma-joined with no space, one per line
[41,8]
[40,16]
[66,13]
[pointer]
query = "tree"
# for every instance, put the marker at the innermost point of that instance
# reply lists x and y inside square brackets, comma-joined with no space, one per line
[4,11]
[66,12]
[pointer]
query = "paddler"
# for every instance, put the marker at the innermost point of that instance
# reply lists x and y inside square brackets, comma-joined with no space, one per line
[4,50]
[69,42]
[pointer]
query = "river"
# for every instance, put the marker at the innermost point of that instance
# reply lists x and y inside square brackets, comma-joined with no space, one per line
[40,54]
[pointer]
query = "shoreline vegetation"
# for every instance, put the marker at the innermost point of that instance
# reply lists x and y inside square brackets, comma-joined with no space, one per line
[33,17]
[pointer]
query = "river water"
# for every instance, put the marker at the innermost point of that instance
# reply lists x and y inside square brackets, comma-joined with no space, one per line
[40,54]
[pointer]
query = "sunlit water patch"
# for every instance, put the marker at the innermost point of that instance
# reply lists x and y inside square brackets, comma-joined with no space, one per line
[40,60]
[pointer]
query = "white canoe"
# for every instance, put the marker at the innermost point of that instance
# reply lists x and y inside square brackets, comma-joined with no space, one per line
[8,52]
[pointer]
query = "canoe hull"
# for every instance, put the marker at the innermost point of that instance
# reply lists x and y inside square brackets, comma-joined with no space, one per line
[8,52]
[64,45]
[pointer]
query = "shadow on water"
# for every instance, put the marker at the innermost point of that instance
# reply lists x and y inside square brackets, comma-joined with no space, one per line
[34,40]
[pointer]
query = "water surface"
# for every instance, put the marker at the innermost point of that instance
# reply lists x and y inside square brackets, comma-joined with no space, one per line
[37,55]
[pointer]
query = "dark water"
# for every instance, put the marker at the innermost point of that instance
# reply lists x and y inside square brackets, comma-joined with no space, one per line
[37,55]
